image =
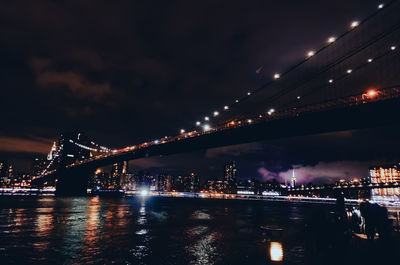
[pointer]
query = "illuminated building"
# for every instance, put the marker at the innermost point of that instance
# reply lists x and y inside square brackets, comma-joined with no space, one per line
[128,182]
[215,185]
[230,178]
[38,165]
[3,172]
[191,183]
[103,180]
[231,174]
[162,183]
[117,170]
[293,180]
[52,151]
[384,174]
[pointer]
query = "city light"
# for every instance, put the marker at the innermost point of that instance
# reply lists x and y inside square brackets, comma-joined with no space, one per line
[216,113]
[206,127]
[156,141]
[237,101]
[277,76]
[354,24]
[370,60]
[380,6]
[226,107]
[349,71]
[310,53]
[248,93]
[206,118]
[276,251]
[330,81]
[144,192]
[271,111]
[393,48]
[182,130]
[198,123]
[249,120]
[331,39]
[298,97]
[372,93]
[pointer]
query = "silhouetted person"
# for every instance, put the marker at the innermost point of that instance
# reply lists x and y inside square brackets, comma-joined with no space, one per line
[383,226]
[340,207]
[369,223]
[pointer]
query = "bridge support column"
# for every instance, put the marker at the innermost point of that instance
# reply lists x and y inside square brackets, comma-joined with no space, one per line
[72,182]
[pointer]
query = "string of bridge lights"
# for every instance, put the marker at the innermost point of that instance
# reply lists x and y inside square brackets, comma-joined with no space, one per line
[350,71]
[276,76]
[56,154]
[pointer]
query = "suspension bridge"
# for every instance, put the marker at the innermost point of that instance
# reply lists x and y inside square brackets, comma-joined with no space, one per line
[352,81]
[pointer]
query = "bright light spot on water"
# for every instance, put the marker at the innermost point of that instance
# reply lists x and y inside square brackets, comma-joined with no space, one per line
[144,193]
[276,251]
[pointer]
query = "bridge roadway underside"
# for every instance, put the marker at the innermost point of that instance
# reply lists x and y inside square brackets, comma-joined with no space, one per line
[369,115]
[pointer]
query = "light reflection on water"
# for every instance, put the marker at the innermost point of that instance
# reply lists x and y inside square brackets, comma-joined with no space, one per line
[148,231]
[276,251]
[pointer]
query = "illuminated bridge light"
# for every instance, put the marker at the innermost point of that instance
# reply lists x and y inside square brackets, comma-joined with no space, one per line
[349,71]
[206,118]
[198,123]
[226,107]
[298,97]
[182,131]
[330,81]
[380,6]
[372,93]
[249,121]
[237,101]
[216,113]
[354,24]
[206,127]
[370,60]
[277,76]
[310,53]
[331,39]
[393,47]
[248,93]
[271,111]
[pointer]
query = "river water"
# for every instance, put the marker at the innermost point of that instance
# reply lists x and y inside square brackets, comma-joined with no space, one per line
[152,230]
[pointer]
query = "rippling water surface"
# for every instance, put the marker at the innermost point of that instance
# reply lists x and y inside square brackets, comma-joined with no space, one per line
[131,230]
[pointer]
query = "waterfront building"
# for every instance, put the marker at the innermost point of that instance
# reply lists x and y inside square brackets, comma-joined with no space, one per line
[230,177]
[191,183]
[3,172]
[38,165]
[381,174]
[293,180]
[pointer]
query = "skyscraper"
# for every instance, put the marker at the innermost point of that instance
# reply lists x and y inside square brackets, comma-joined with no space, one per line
[52,151]
[191,183]
[293,180]
[230,177]
[118,169]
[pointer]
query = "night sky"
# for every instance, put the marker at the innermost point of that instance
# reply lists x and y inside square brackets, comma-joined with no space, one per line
[129,71]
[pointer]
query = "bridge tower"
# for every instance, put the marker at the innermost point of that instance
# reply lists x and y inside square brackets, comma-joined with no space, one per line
[72,182]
